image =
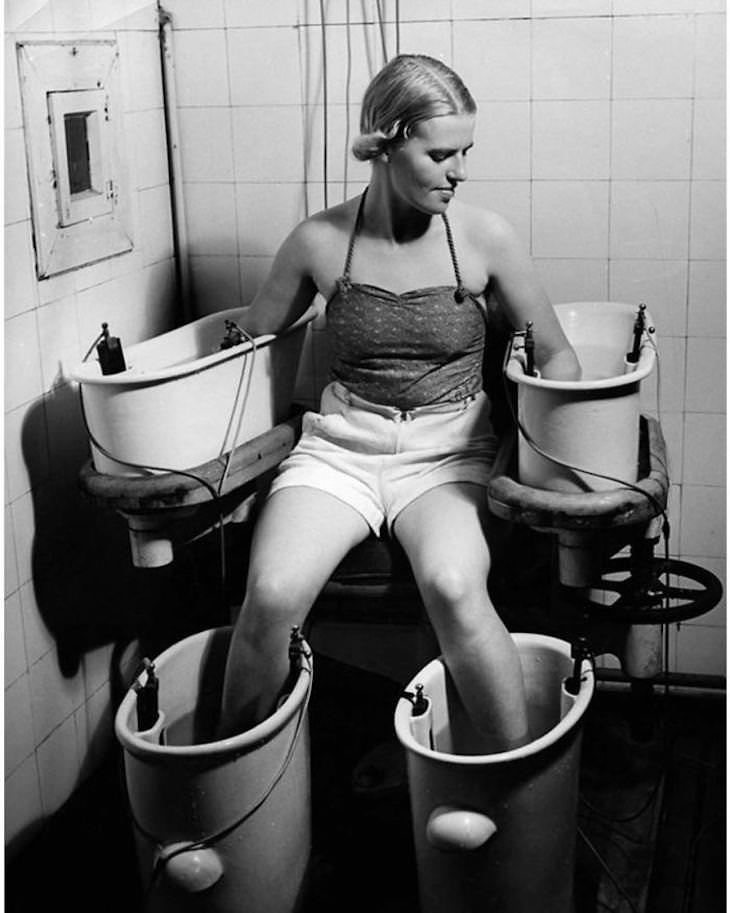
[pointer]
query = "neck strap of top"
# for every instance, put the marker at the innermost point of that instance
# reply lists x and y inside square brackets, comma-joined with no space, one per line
[460,294]
[353,234]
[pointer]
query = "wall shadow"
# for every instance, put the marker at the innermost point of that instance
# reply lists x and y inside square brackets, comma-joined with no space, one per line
[88,592]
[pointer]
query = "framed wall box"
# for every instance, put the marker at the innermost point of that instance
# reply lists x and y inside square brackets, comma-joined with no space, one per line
[75,152]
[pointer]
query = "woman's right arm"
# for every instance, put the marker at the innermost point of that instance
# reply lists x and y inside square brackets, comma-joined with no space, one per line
[289,288]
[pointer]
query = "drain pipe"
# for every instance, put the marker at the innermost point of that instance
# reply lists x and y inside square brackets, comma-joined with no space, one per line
[174,163]
[686,684]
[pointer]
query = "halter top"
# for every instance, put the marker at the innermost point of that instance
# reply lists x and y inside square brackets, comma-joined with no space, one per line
[410,349]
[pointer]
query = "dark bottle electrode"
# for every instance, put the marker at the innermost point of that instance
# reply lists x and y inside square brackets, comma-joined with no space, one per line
[109,350]
[147,698]
[420,703]
[529,350]
[639,326]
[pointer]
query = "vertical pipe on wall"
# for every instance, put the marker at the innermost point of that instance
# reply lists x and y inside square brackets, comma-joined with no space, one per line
[179,224]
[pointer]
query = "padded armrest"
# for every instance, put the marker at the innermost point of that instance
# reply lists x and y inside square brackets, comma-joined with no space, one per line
[141,494]
[584,511]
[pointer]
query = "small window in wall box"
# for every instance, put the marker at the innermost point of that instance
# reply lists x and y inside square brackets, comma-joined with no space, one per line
[74,145]
[78,154]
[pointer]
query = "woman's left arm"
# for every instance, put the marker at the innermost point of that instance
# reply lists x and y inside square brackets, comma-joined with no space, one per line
[522,298]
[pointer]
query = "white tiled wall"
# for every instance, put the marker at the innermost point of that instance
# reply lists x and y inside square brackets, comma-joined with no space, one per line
[57,722]
[601,136]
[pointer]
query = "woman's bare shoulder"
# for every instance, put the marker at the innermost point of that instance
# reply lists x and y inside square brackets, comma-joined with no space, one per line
[317,246]
[322,231]
[485,226]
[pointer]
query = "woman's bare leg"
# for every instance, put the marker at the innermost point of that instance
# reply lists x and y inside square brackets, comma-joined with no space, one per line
[442,534]
[300,538]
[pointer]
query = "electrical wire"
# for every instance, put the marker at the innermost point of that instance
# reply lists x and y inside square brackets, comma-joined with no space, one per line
[646,805]
[230,447]
[696,762]
[325,102]
[149,468]
[94,344]
[665,627]
[667,756]
[302,43]
[689,877]
[397,27]
[626,853]
[564,463]
[348,85]
[607,869]
[658,507]
[145,468]
[381,29]
[607,821]
[306,667]
[204,842]
[607,825]
[610,820]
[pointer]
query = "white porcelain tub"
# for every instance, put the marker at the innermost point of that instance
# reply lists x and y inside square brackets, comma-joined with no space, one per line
[591,424]
[183,401]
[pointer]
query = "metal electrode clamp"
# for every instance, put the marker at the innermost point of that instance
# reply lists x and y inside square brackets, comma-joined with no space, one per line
[418,700]
[300,657]
[580,651]
[298,648]
[525,346]
[421,718]
[234,335]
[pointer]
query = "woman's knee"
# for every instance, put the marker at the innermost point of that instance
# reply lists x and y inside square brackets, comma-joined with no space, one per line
[453,586]
[272,603]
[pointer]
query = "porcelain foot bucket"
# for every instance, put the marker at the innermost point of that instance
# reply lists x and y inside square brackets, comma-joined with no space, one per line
[221,826]
[495,833]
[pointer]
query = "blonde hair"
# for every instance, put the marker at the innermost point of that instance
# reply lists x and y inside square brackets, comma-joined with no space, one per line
[410,88]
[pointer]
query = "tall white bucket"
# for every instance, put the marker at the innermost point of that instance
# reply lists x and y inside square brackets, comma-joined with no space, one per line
[591,424]
[495,833]
[220,826]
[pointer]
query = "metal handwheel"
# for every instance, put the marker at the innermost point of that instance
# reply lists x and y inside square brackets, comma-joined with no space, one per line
[657,591]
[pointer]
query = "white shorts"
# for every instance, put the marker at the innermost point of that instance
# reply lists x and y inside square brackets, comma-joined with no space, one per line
[378,459]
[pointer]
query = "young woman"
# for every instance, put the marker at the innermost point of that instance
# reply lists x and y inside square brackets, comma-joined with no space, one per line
[403,436]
